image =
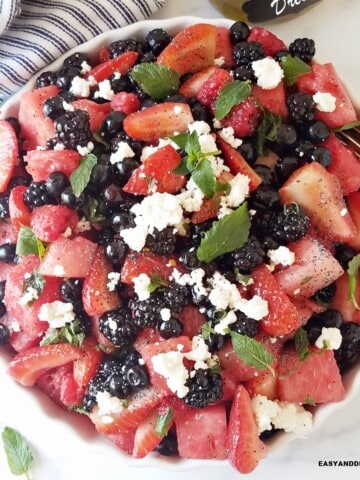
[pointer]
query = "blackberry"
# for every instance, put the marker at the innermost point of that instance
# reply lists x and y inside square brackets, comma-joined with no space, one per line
[37,195]
[4,334]
[288,225]
[303,48]
[245,325]
[77,59]
[65,76]
[118,326]
[239,32]
[161,242]
[146,313]
[176,297]
[168,445]
[128,45]
[205,387]
[171,328]
[45,79]
[301,107]
[73,129]
[8,253]
[244,53]
[243,73]
[249,256]
[330,318]
[349,352]
[157,39]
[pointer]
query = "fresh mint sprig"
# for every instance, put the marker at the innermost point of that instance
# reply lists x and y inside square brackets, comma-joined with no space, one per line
[230,95]
[18,453]
[163,422]
[353,270]
[27,243]
[293,68]
[301,344]
[158,81]
[252,352]
[80,177]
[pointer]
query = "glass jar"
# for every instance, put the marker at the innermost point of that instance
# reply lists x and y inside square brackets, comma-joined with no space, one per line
[257,11]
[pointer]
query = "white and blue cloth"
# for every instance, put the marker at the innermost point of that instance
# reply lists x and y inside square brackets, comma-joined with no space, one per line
[33,33]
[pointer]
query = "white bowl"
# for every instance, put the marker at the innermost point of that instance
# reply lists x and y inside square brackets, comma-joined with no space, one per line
[56,434]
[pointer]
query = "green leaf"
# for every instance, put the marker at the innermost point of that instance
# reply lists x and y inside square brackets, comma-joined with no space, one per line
[71,333]
[35,281]
[156,282]
[158,81]
[302,344]
[251,351]
[182,168]
[309,401]
[226,235]
[207,330]
[18,453]
[203,176]
[230,95]
[293,67]
[163,422]
[347,126]
[353,270]
[81,176]
[90,211]
[267,130]
[28,244]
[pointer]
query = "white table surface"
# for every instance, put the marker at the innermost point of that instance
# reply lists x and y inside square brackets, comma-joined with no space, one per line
[334,26]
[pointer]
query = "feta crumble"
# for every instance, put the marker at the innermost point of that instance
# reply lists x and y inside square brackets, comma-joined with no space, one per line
[171,366]
[330,338]
[268,73]
[123,151]
[28,296]
[57,313]
[108,404]
[281,256]
[85,150]
[104,90]
[114,278]
[165,314]
[324,101]
[141,286]
[227,134]
[80,87]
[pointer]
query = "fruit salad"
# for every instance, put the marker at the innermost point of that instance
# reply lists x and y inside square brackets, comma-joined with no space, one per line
[180,240]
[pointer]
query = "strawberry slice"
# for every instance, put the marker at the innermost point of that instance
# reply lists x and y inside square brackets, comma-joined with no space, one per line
[125,102]
[96,296]
[156,173]
[224,46]
[265,383]
[123,441]
[85,367]
[27,366]
[19,211]
[157,121]
[8,153]
[319,193]
[243,118]
[120,64]
[270,42]
[353,203]
[191,87]
[148,263]
[244,445]
[191,50]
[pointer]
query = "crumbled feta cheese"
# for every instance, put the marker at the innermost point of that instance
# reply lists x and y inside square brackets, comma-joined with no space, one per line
[330,338]
[219,62]
[324,102]
[191,198]
[255,308]
[135,237]
[123,151]
[343,212]
[296,291]
[80,87]
[68,232]
[228,135]
[108,404]
[59,271]
[28,296]
[58,147]
[105,91]
[281,256]
[14,327]
[194,279]
[228,319]
[171,366]
[85,150]
[239,190]
[268,73]
[265,410]
[150,149]
[223,294]
[57,313]
[85,68]
[200,127]
[68,107]
[165,314]
[199,352]
[114,278]
[141,286]
[216,123]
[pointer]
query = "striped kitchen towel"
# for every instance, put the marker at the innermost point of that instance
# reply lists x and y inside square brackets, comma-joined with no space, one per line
[33,33]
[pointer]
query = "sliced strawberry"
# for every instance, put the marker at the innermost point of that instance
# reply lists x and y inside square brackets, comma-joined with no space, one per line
[58,383]
[317,377]
[191,50]
[270,42]
[209,209]
[59,258]
[274,99]
[245,449]
[124,441]
[243,118]
[85,367]
[125,102]
[237,164]
[140,405]
[156,173]
[19,211]
[210,89]
[27,366]
[342,301]
[146,437]
[8,153]
[120,64]
[283,317]
[96,296]
[48,222]
[157,121]
[319,193]
[149,263]
[224,46]
[353,204]
[40,163]
[191,87]
[97,111]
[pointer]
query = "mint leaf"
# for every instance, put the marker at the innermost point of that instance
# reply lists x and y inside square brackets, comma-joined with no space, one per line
[72,333]
[353,270]
[302,344]
[27,243]
[156,282]
[251,351]
[90,211]
[207,330]
[347,126]
[81,176]
[158,81]
[163,422]
[293,67]
[35,281]
[204,178]
[230,95]
[267,130]
[226,235]
[18,453]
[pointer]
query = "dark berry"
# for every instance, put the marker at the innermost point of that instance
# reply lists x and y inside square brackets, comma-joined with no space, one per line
[119,386]
[245,325]
[349,352]
[330,318]
[71,291]
[189,258]
[215,341]
[8,253]
[303,48]
[239,32]
[200,112]
[286,136]
[77,59]
[325,295]
[343,254]
[157,39]
[123,170]
[317,131]
[2,309]
[301,107]
[137,376]
[14,122]
[115,250]
[4,206]
[246,258]
[68,199]
[73,129]
[36,195]
[244,72]
[56,183]
[120,83]
[45,79]
[244,53]
[112,125]
[303,148]
[122,220]
[53,107]
[205,387]
[321,155]
[146,313]
[128,45]
[161,242]
[265,197]
[176,297]
[4,334]
[171,328]
[265,173]
[289,225]
[65,76]
[168,445]
[284,167]
[2,290]
[118,326]
[280,54]
[248,151]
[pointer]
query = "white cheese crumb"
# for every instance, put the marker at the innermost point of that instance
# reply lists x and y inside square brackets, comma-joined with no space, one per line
[68,232]
[228,135]
[281,256]
[28,296]
[114,278]
[108,404]
[57,313]
[330,338]
[324,101]
[123,151]
[14,327]
[68,107]
[268,73]
[85,68]
[199,352]
[80,87]
[219,62]
[58,147]
[141,286]
[165,314]
[191,198]
[170,365]
[229,318]
[239,190]
[85,150]
[104,90]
